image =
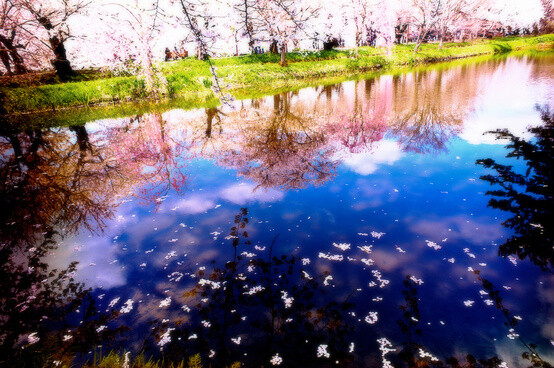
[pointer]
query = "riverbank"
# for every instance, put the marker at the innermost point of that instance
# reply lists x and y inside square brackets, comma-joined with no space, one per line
[190,80]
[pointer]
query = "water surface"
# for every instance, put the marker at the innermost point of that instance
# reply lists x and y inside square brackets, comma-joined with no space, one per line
[310,228]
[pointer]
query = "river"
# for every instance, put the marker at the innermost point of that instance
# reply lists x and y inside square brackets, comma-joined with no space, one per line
[366,223]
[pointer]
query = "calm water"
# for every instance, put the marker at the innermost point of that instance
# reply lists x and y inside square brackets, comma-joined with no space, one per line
[312,228]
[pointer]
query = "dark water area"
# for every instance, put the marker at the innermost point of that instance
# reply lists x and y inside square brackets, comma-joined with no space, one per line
[382,222]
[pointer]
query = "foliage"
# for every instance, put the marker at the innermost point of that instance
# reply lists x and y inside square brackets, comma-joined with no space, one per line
[409,323]
[245,74]
[415,354]
[526,195]
[511,322]
[46,315]
[269,300]
[116,360]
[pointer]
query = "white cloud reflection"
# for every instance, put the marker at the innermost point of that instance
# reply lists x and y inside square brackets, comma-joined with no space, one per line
[383,153]
[97,257]
[195,204]
[474,230]
[246,193]
[508,103]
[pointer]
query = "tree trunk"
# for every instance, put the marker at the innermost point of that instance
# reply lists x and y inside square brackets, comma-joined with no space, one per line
[248,27]
[358,42]
[210,114]
[416,48]
[151,83]
[19,65]
[283,54]
[60,63]
[419,40]
[11,50]
[4,56]
[82,137]
[273,48]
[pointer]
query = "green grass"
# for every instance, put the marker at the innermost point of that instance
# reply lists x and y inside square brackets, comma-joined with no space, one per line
[115,360]
[190,80]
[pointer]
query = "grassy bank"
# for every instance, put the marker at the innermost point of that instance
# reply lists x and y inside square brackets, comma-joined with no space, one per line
[190,80]
[115,360]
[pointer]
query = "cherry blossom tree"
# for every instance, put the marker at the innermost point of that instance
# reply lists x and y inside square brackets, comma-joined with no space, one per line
[368,22]
[361,14]
[51,17]
[547,21]
[133,27]
[10,40]
[385,19]
[200,23]
[452,14]
[249,24]
[424,17]
[331,22]
[515,15]
[67,34]
[282,20]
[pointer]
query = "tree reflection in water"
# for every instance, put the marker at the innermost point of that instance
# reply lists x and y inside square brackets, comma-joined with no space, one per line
[211,114]
[253,309]
[52,185]
[361,125]
[527,195]
[283,150]
[512,321]
[57,182]
[415,354]
[150,156]
[431,114]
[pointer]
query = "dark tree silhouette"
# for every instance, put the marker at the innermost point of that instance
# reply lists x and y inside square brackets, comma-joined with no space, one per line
[511,322]
[527,195]
[270,302]
[50,188]
[410,321]
[415,354]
